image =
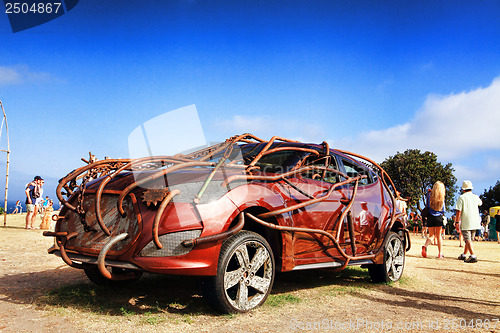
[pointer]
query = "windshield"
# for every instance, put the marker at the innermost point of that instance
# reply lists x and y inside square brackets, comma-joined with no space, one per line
[275,162]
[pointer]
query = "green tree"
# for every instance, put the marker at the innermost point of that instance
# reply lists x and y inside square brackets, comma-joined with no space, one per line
[413,172]
[491,197]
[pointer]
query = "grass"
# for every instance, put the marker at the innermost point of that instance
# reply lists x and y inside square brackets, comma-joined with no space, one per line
[280,300]
[152,319]
[154,295]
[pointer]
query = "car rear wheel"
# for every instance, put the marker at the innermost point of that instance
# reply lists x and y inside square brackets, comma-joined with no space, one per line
[245,274]
[394,261]
[95,276]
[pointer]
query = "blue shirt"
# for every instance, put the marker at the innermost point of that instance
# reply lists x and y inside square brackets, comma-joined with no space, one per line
[428,205]
[31,189]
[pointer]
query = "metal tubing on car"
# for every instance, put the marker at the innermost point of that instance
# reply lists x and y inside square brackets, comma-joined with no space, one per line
[269,144]
[158,215]
[61,243]
[74,175]
[350,225]
[279,176]
[62,248]
[311,201]
[349,205]
[129,165]
[312,231]
[216,237]
[154,176]
[98,198]
[206,153]
[102,256]
[209,178]
[383,174]
[407,239]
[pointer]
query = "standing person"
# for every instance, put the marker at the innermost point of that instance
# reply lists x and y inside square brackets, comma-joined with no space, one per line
[45,204]
[497,225]
[401,204]
[19,208]
[435,217]
[457,229]
[424,214]
[32,193]
[486,223]
[468,212]
[38,202]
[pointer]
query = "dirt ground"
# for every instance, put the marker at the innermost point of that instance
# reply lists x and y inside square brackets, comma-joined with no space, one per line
[434,295]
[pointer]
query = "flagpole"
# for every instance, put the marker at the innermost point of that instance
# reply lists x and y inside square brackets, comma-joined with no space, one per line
[7,163]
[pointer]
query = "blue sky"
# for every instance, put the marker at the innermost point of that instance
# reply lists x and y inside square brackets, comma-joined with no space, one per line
[374,77]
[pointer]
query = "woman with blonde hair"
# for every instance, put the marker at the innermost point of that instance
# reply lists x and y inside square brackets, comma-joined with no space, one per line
[435,217]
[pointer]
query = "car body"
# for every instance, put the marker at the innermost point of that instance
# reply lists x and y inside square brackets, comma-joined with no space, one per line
[234,213]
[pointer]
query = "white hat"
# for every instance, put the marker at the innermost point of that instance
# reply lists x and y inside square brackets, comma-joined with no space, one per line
[467,185]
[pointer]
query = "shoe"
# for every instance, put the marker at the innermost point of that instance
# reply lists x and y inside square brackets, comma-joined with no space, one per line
[440,256]
[462,257]
[471,259]
[424,251]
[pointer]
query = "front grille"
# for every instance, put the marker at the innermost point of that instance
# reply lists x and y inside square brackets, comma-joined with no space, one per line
[171,244]
[93,241]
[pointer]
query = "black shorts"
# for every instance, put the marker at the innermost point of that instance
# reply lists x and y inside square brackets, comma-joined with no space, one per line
[434,221]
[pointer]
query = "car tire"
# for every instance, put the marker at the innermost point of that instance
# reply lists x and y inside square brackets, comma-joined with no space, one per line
[245,274]
[394,260]
[96,277]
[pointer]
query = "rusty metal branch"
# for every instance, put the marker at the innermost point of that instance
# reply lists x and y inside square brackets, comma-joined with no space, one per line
[101,260]
[282,175]
[267,146]
[154,176]
[78,173]
[311,231]
[313,201]
[158,215]
[62,237]
[383,176]
[207,152]
[216,237]
[296,188]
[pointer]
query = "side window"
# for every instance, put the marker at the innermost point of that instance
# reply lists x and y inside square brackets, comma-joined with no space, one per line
[354,170]
[322,175]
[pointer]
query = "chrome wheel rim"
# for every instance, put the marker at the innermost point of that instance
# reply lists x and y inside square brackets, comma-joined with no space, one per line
[248,276]
[395,259]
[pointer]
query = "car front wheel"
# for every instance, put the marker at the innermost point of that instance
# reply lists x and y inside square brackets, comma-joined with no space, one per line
[245,274]
[394,261]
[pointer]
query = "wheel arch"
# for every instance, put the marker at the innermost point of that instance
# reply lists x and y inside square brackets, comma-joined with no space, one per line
[273,237]
[399,228]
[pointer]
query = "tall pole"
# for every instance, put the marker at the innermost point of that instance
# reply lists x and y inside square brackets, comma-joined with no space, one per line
[7,171]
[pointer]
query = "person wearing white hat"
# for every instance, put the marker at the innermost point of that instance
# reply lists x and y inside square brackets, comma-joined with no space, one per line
[467,208]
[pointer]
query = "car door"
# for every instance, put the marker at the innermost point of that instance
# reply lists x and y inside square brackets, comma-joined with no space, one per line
[311,248]
[366,210]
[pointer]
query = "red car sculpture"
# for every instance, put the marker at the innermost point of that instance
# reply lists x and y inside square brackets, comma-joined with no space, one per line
[234,213]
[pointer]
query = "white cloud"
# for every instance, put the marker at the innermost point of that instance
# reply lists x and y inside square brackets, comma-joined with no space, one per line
[461,128]
[10,75]
[451,126]
[483,170]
